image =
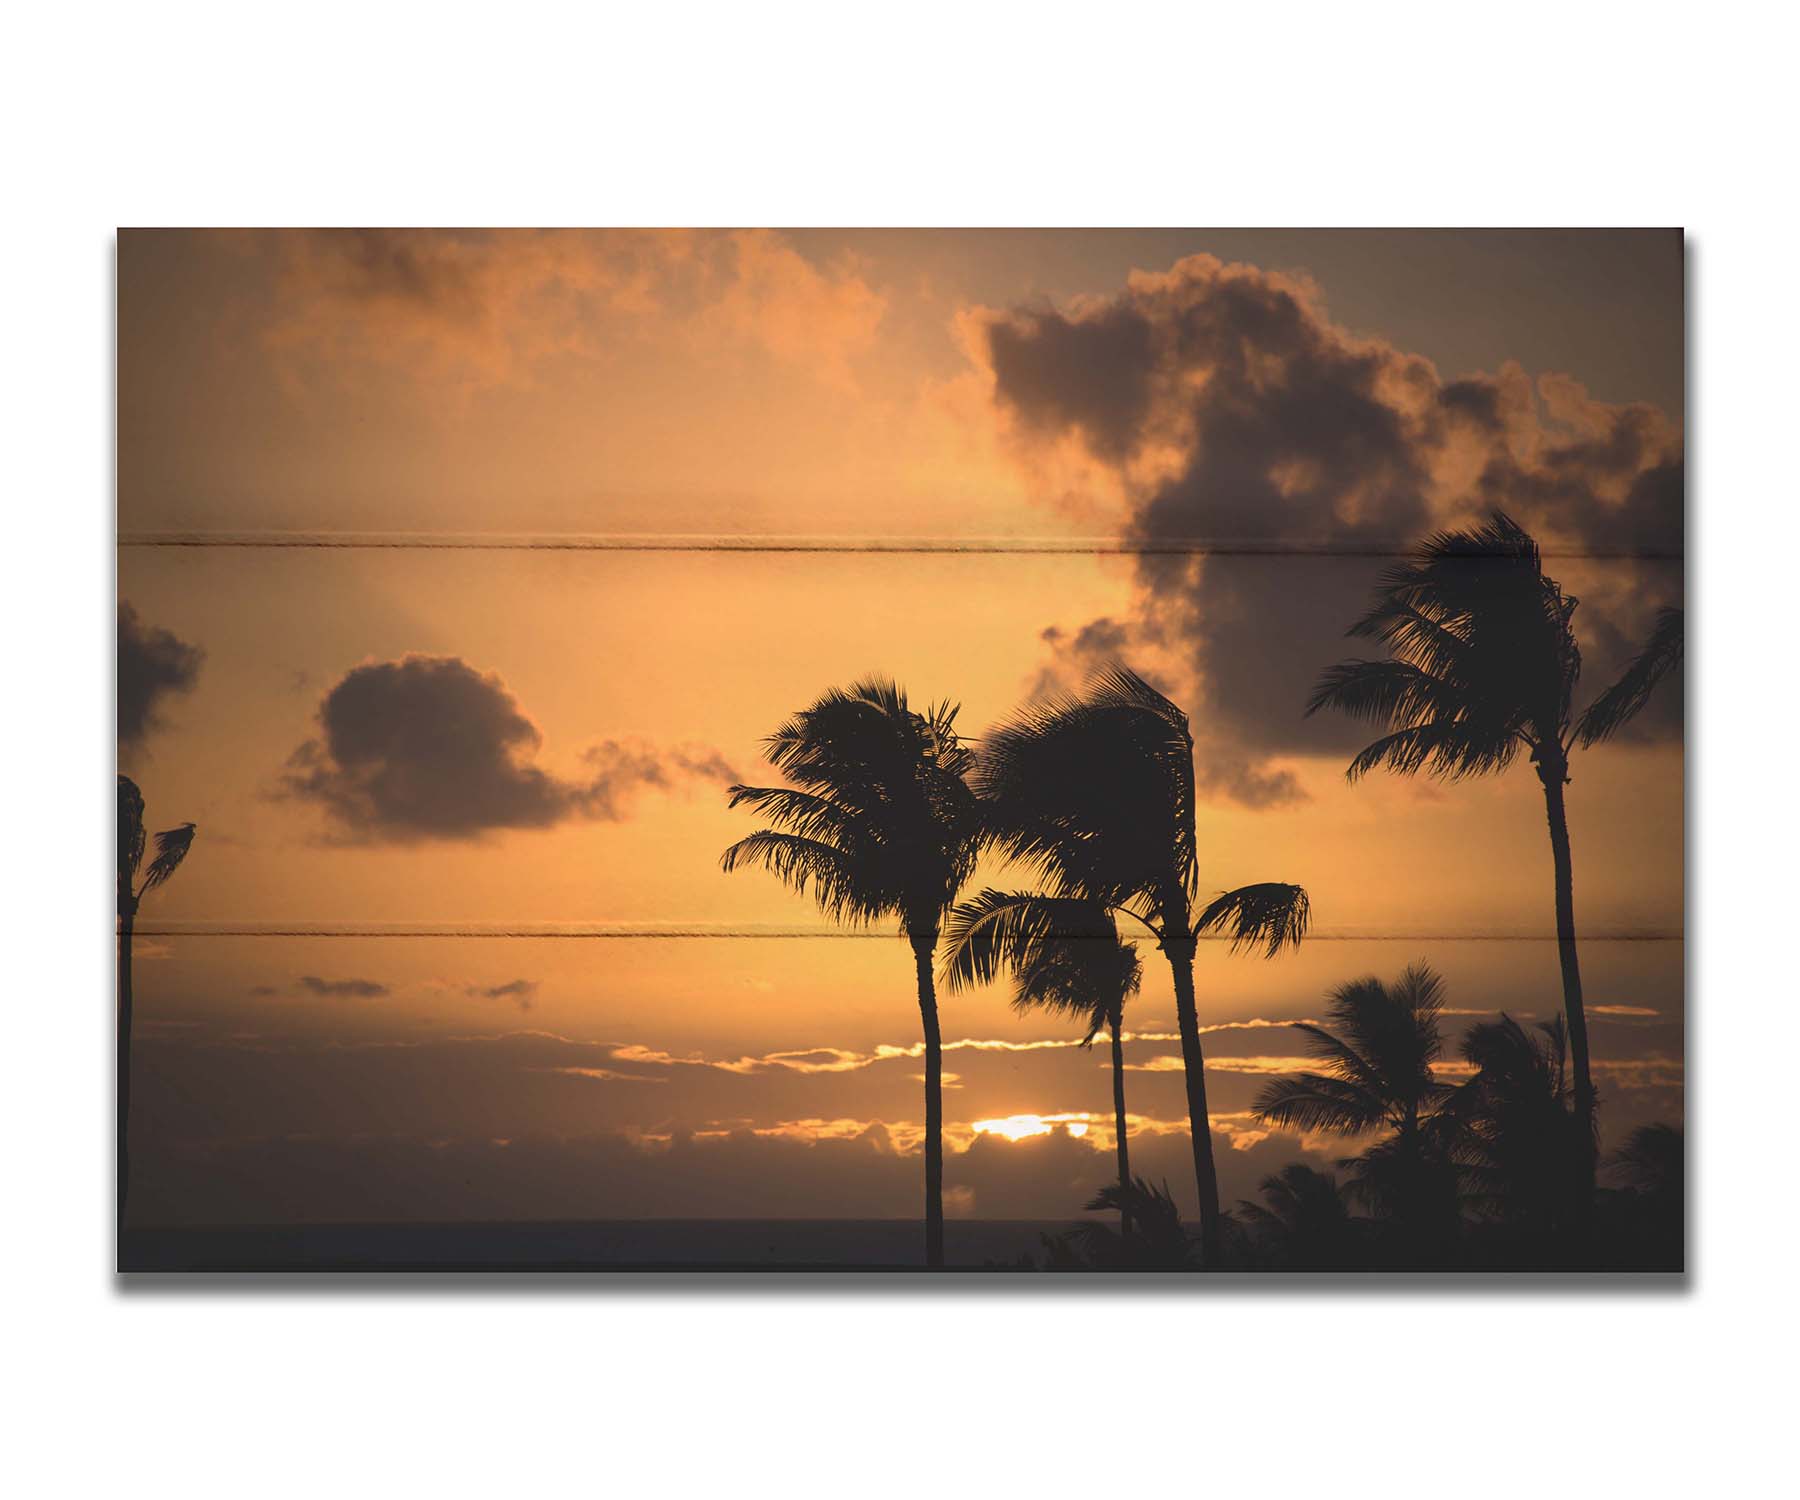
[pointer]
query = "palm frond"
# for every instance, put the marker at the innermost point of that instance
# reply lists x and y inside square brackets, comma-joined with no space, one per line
[804,813]
[131,833]
[1314,1101]
[844,892]
[1625,699]
[1064,954]
[1451,750]
[998,929]
[172,846]
[1271,915]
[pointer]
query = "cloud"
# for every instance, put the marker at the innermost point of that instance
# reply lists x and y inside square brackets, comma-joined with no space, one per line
[154,666]
[278,1128]
[605,1075]
[360,989]
[428,747]
[468,309]
[775,298]
[520,991]
[1226,409]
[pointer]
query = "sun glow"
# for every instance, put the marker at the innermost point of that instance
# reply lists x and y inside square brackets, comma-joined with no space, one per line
[1018,1127]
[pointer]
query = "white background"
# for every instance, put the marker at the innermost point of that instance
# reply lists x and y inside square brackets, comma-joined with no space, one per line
[935,114]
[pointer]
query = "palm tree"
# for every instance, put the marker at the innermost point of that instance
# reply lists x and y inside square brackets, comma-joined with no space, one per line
[1307,1225]
[171,848]
[1652,1160]
[1378,1079]
[1651,1211]
[1516,1134]
[1156,1242]
[1066,957]
[1483,664]
[880,823]
[1095,793]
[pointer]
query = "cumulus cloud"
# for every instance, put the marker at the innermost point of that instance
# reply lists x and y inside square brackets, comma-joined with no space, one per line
[428,747]
[1229,412]
[154,666]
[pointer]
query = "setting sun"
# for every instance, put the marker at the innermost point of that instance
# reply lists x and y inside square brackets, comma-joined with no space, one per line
[1018,1127]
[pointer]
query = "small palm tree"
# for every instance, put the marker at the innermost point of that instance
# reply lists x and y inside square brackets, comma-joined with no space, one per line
[1066,957]
[880,823]
[1307,1225]
[1155,1240]
[1650,1213]
[1378,1080]
[1652,1161]
[1482,665]
[171,848]
[1517,1135]
[1095,793]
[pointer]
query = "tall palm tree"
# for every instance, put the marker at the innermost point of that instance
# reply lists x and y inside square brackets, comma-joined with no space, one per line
[1066,957]
[1095,793]
[171,848]
[1378,1079]
[1483,664]
[880,822]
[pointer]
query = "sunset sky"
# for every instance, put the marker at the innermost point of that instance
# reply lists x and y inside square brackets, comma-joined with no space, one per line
[771,462]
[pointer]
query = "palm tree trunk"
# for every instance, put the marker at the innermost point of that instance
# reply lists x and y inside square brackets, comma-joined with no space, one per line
[124,1064]
[1552,773]
[1180,950]
[923,948]
[1118,1070]
[1118,1061]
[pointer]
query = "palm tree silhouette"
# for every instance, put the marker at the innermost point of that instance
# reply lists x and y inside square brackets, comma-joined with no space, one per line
[1307,1225]
[1066,957]
[1651,1168]
[1661,654]
[1155,1240]
[1516,1134]
[1482,664]
[880,822]
[1651,1160]
[1379,1078]
[1095,793]
[171,848]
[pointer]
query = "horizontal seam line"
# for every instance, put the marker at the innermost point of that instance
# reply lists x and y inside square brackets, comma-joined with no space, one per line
[404,541]
[249,930]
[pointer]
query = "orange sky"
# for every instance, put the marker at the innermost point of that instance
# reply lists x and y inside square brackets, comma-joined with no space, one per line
[766,385]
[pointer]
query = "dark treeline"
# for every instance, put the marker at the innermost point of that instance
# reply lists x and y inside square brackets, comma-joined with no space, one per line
[1484,1174]
[1091,796]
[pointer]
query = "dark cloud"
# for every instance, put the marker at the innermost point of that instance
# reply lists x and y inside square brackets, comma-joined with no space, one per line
[520,991]
[428,747]
[686,1173]
[618,771]
[360,989]
[1236,415]
[154,666]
